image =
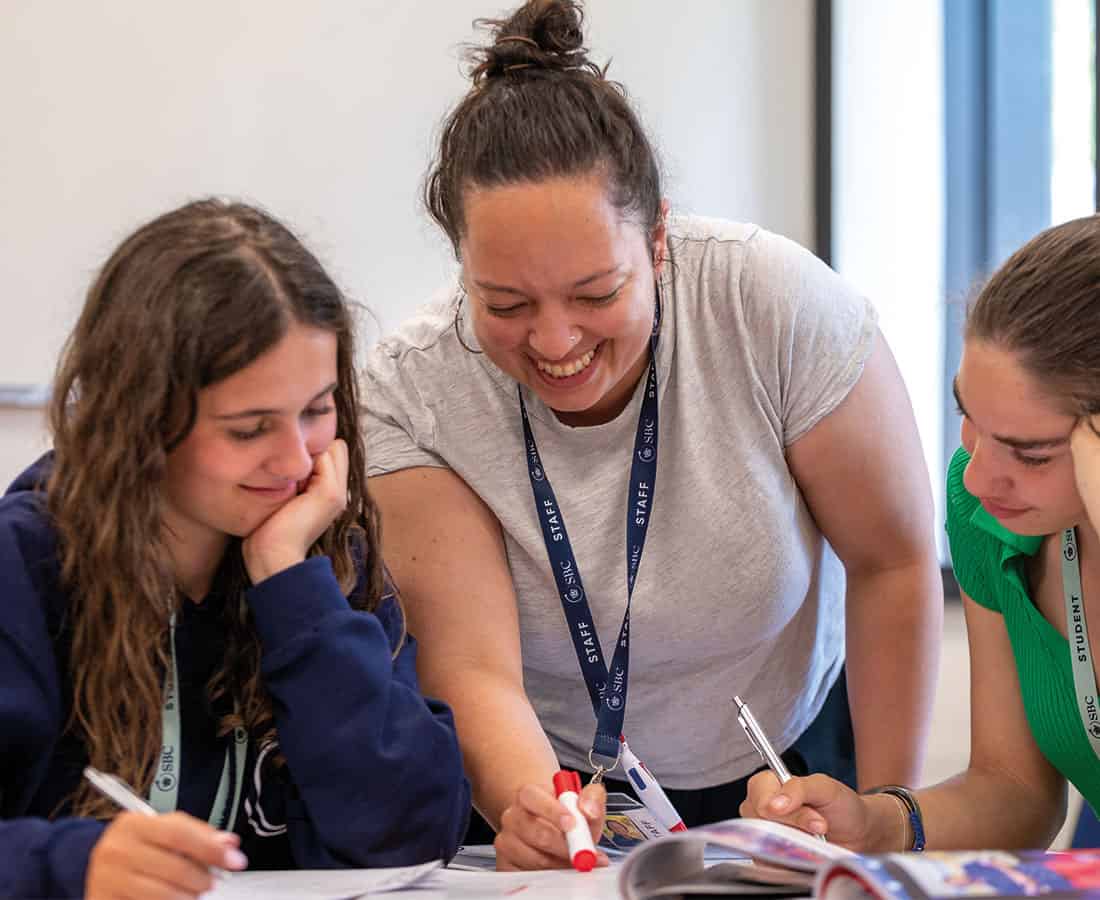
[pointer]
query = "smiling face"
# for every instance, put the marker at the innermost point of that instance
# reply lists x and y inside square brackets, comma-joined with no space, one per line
[1018,440]
[255,437]
[562,291]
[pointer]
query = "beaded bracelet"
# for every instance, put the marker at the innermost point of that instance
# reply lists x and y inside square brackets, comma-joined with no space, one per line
[912,810]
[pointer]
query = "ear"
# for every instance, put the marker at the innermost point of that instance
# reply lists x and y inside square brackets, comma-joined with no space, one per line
[658,238]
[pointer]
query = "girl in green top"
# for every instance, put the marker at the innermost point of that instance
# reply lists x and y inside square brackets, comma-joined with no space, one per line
[1023,497]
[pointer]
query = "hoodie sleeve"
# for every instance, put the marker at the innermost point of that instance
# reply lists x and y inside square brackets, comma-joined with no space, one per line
[38,858]
[376,774]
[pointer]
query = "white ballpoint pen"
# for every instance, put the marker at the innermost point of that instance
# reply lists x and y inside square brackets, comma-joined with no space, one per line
[118,791]
[122,795]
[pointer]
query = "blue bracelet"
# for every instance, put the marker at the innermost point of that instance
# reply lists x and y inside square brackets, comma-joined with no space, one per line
[912,811]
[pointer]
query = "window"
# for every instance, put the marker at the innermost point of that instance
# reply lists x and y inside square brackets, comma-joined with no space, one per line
[1073,110]
[1020,127]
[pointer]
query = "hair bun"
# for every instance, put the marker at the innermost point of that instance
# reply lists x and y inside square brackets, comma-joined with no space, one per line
[541,35]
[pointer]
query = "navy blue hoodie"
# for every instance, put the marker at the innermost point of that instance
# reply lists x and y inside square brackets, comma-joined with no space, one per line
[373,774]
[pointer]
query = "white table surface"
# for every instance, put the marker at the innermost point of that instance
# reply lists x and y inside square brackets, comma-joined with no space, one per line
[599,884]
[475,878]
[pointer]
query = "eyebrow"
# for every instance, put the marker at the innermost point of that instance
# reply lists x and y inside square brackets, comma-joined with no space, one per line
[504,289]
[1015,443]
[251,413]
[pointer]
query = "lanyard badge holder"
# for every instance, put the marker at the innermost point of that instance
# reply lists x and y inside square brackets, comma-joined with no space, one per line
[607,685]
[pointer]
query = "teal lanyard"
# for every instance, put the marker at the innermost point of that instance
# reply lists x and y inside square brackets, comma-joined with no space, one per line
[1084,677]
[164,792]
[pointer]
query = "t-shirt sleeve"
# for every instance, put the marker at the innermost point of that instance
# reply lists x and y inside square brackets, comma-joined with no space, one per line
[973,551]
[809,331]
[399,427]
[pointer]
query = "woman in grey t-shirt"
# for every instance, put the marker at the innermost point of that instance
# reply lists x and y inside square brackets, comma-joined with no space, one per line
[612,392]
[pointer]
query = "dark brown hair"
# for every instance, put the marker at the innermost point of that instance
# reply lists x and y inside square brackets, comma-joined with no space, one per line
[1043,305]
[186,301]
[538,109]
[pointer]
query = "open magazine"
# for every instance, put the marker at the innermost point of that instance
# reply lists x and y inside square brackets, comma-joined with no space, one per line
[779,861]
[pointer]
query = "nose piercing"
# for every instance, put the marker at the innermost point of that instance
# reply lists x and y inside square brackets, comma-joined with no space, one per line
[573,338]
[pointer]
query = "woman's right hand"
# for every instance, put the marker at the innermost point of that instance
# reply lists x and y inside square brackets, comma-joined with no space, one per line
[532,829]
[1084,445]
[817,804]
[154,857]
[284,538]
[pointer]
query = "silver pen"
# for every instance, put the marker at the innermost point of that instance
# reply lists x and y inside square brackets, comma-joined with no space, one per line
[122,795]
[763,746]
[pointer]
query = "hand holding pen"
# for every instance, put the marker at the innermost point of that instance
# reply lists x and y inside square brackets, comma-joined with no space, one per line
[144,854]
[767,752]
[818,804]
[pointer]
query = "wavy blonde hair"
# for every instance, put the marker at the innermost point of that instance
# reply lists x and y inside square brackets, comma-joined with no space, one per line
[187,300]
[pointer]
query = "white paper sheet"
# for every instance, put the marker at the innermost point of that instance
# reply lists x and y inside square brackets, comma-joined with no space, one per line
[557,884]
[317,884]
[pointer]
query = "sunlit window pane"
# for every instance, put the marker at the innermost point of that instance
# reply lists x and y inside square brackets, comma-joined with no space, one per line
[1073,110]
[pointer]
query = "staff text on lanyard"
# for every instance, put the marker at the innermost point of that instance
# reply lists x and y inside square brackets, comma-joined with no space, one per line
[607,685]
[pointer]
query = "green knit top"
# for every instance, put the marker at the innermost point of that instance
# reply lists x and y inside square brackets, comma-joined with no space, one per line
[991,567]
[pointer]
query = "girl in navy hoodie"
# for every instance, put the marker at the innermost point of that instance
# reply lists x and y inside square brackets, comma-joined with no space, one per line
[193,597]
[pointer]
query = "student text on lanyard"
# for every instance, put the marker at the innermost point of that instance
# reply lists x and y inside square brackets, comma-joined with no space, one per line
[606,685]
[164,791]
[1077,632]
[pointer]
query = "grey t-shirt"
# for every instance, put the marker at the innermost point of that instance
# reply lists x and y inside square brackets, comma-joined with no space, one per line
[737,592]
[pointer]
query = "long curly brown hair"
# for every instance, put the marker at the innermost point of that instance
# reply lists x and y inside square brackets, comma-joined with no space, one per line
[187,300]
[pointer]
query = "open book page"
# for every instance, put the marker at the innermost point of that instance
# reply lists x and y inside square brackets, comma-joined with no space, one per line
[317,884]
[744,878]
[775,860]
[963,873]
[771,842]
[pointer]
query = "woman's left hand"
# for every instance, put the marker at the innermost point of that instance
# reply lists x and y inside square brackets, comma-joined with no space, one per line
[284,539]
[1084,445]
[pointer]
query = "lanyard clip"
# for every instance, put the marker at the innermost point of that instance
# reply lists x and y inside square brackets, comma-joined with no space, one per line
[599,769]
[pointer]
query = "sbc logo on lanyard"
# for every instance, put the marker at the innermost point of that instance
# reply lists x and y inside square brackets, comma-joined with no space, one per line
[610,710]
[575,594]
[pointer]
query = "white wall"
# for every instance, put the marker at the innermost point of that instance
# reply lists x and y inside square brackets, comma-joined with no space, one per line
[324,113]
[888,190]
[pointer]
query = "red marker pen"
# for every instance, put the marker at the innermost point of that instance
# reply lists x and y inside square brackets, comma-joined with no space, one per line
[582,852]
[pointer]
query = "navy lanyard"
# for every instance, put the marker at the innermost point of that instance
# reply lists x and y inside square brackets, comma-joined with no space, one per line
[606,686]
